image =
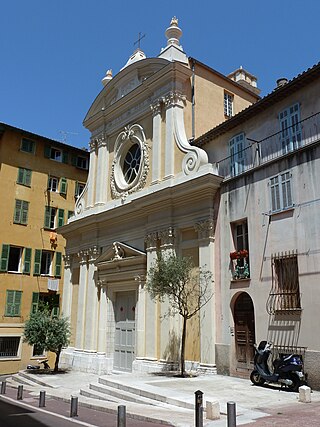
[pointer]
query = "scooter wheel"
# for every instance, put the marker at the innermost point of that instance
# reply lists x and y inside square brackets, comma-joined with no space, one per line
[295,383]
[256,379]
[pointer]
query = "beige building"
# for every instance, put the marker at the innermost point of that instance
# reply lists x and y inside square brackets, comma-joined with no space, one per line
[267,227]
[40,181]
[148,189]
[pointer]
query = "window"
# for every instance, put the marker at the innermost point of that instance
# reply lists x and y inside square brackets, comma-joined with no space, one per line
[286,282]
[27,145]
[237,154]
[82,162]
[13,303]
[9,346]
[228,104]
[280,192]
[60,217]
[70,214]
[79,188]
[55,154]
[290,127]
[42,262]
[37,351]
[24,177]
[21,212]
[11,259]
[50,300]
[63,186]
[240,257]
[49,217]
[53,183]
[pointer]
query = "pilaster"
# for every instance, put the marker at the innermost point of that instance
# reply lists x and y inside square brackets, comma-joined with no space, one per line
[157,143]
[91,313]
[67,286]
[83,277]
[92,172]
[102,171]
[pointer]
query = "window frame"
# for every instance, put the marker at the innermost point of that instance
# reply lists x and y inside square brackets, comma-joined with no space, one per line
[51,186]
[13,309]
[237,147]
[18,347]
[281,192]
[30,143]
[290,128]
[21,210]
[79,189]
[228,100]
[24,177]
[50,218]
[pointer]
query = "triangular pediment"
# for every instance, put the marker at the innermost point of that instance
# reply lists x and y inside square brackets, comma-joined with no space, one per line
[119,252]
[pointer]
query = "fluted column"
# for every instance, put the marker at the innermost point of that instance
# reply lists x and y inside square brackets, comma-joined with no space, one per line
[169,142]
[169,325]
[102,171]
[67,287]
[91,313]
[102,328]
[92,173]
[80,327]
[148,321]
[156,143]
[205,231]
[141,326]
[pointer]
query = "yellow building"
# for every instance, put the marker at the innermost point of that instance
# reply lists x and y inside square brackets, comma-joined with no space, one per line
[40,179]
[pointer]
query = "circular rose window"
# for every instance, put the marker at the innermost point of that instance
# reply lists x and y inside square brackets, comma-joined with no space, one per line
[131,163]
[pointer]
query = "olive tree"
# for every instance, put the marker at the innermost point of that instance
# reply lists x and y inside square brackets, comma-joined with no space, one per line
[188,289]
[48,332]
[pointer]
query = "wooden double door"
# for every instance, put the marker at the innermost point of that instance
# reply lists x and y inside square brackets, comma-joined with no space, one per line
[244,331]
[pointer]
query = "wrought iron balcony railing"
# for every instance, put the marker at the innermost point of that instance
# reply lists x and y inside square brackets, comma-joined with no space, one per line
[286,141]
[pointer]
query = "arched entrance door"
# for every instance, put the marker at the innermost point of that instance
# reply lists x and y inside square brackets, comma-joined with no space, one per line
[244,331]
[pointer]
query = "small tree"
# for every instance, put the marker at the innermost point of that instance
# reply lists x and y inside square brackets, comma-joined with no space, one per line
[47,332]
[187,288]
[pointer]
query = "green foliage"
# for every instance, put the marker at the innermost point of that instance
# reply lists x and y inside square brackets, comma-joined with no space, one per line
[47,332]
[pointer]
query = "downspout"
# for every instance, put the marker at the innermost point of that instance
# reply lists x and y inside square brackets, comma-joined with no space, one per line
[192,102]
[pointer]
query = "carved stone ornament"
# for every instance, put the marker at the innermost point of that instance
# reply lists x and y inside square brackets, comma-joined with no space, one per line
[93,253]
[174,98]
[118,251]
[205,228]
[167,236]
[93,145]
[156,107]
[151,241]
[130,166]
[67,260]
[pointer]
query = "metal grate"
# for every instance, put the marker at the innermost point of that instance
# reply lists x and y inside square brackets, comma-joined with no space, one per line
[9,346]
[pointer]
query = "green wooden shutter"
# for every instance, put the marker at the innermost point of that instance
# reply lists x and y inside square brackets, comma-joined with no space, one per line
[65,157]
[47,217]
[20,178]
[37,262]
[35,302]
[60,217]
[63,186]
[47,151]
[27,177]
[27,260]
[24,212]
[58,264]
[9,303]
[17,212]
[17,303]
[4,257]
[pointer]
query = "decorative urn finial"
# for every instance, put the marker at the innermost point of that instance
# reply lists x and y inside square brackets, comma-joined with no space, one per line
[173,33]
[107,77]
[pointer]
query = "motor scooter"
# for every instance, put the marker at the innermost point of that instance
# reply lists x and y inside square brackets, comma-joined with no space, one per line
[36,367]
[287,369]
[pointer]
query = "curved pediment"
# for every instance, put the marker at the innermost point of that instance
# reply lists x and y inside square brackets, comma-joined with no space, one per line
[124,82]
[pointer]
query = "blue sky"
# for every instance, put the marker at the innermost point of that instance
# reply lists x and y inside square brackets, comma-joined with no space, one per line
[54,53]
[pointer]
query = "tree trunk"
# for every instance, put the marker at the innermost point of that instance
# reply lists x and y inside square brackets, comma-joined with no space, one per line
[56,364]
[183,346]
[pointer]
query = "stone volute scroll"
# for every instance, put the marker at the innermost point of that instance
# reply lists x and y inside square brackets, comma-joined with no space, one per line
[130,166]
[118,251]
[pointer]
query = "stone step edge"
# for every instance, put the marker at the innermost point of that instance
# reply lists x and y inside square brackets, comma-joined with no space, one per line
[120,394]
[32,378]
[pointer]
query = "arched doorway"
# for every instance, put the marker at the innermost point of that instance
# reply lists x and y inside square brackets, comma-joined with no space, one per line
[244,331]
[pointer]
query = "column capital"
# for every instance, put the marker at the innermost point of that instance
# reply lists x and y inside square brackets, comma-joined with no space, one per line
[206,228]
[93,145]
[151,241]
[167,237]
[93,253]
[83,256]
[174,99]
[156,107]
[67,259]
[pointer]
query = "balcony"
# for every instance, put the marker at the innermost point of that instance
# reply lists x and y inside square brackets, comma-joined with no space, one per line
[279,144]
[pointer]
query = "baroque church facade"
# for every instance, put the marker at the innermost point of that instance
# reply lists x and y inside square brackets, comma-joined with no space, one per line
[149,189]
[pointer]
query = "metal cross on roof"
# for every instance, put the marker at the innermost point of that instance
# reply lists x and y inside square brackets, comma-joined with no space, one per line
[140,37]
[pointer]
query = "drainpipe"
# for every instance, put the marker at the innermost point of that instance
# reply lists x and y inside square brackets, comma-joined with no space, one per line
[192,101]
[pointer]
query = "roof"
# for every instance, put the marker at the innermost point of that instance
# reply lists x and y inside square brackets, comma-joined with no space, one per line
[5,126]
[301,80]
[226,78]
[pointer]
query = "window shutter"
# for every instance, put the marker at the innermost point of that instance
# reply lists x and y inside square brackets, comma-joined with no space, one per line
[35,302]
[47,151]
[17,211]
[58,264]
[37,262]
[60,217]
[27,177]
[65,157]
[27,260]
[63,186]
[4,257]
[47,217]
[9,303]
[74,160]
[17,303]
[24,212]
[20,176]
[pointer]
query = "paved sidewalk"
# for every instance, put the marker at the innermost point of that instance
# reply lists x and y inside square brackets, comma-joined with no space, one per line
[254,404]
